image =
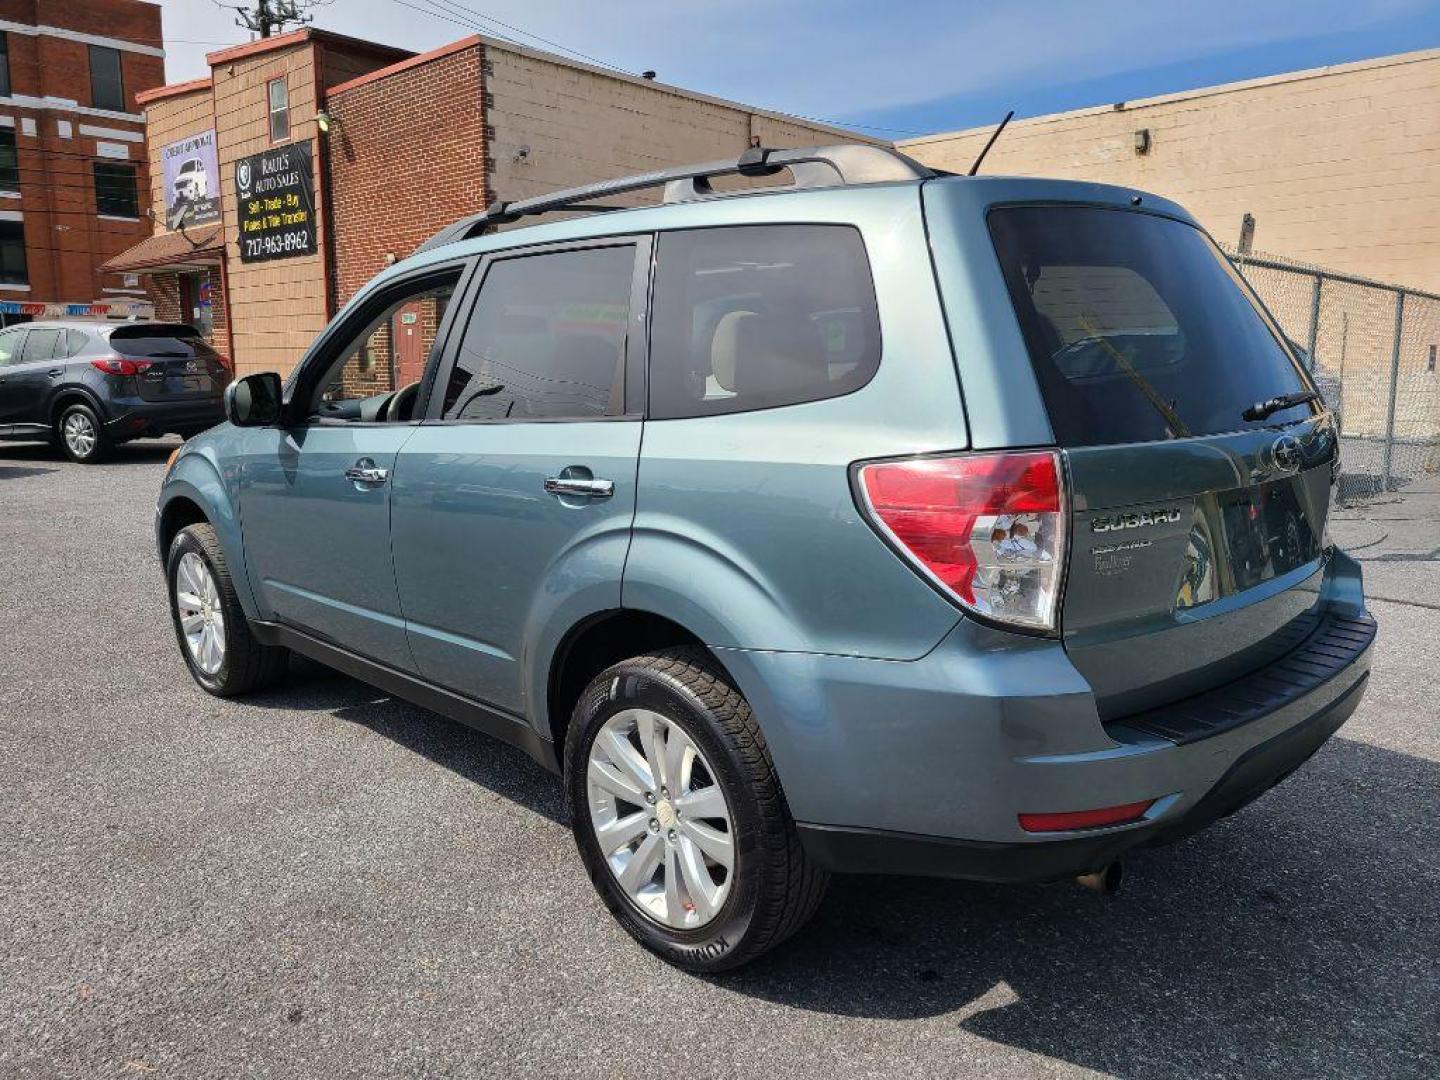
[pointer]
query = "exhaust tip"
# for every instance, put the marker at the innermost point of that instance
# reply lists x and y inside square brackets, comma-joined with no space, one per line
[1106,881]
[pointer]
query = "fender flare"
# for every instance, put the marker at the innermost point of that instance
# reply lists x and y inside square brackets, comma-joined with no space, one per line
[197,478]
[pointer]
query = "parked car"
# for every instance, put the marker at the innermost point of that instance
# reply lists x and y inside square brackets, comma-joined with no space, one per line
[88,386]
[886,522]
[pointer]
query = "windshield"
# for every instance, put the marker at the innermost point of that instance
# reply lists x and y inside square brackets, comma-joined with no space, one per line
[1138,326]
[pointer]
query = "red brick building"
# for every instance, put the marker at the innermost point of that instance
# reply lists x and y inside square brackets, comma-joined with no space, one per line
[72,152]
[375,149]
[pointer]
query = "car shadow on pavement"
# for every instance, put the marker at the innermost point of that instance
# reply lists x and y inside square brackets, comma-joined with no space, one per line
[477,757]
[1299,938]
[132,453]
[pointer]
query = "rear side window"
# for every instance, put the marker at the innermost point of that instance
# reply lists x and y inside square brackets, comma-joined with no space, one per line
[159,340]
[1137,326]
[41,345]
[546,339]
[753,317]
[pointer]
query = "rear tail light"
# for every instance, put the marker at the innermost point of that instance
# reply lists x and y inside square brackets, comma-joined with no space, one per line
[987,528]
[118,365]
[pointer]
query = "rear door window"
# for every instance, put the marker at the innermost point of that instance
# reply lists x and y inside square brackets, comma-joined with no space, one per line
[1137,326]
[40,345]
[547,339]
[753,317]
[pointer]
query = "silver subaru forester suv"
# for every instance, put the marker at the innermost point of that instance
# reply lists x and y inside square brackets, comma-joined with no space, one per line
[882,521]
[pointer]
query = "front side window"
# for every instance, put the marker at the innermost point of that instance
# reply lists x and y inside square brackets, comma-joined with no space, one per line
[377,375]
[753,317]
[9,161]
[107,84]
[13,270]
[546,339]
[115,190]
[279,98]
[1138,327]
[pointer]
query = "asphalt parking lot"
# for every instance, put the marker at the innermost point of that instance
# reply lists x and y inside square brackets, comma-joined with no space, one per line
[323,881]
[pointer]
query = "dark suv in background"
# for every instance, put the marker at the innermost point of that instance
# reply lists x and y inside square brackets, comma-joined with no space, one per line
[87,386]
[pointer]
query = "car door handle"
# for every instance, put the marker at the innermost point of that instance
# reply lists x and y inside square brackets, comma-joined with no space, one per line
[55,372]
[574,485]
[365,473]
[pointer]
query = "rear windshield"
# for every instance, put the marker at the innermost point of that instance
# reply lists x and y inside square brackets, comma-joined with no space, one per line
[157,340]
[1138,326]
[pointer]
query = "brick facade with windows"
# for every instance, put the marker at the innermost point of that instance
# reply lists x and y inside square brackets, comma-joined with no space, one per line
[63,139]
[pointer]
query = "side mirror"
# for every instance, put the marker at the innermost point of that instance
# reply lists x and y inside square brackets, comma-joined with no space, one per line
[253,401]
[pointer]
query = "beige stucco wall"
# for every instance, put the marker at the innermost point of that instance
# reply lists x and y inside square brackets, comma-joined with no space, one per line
[1340,166]
[277,307]
[584,124]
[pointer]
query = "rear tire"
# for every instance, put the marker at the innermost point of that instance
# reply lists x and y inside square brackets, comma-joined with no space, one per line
[80,435]
[770,889]
[223,656]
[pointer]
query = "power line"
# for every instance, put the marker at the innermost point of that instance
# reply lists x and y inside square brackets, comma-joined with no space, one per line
[454,8]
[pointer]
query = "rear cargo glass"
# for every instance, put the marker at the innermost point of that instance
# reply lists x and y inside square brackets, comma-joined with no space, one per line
[1138,326]
[159,340]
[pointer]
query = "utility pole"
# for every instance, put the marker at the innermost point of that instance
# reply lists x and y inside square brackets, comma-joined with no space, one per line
[270,16]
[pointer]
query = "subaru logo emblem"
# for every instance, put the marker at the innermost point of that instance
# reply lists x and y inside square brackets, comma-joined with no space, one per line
[1285,453]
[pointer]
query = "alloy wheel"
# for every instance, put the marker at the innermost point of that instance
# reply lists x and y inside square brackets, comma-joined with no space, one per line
[202,619]
[79,434]
[660,818]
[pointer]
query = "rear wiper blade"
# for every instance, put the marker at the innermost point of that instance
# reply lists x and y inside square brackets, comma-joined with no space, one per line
[1262,409]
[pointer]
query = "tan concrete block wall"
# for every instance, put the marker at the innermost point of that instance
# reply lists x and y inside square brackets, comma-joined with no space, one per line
[166,121]
[1340,166]
[584,125]
[277,307]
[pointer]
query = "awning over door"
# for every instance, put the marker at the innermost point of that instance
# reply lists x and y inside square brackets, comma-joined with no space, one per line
[170,251]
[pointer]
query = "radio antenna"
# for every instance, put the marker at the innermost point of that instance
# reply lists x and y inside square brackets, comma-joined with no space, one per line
[976,167]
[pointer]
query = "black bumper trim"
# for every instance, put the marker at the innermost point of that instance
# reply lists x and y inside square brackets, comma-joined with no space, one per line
[848,850]
[1325,645]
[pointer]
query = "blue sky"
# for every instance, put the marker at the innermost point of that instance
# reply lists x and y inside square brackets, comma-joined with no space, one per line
[899,68]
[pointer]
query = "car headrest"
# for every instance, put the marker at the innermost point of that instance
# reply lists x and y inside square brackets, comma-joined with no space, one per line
[767,354]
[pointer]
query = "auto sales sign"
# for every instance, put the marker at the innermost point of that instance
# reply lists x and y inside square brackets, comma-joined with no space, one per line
[275,196]
[192,181]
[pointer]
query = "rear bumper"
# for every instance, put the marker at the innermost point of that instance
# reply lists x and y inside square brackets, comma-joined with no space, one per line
[131,418]
[868,851]
[924,767]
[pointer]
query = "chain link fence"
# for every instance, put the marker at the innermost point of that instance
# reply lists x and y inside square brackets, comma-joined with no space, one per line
[1372,350]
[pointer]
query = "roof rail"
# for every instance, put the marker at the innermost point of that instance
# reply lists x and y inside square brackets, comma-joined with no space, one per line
[811,167]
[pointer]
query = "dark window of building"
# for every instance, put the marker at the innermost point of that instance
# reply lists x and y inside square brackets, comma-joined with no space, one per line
[115,193]
[546,339]
[107,85]
[279,96]
[13,270]
[9,161]
[4,64]
[758,316]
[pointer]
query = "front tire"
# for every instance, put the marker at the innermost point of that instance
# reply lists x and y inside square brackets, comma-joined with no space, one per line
[222,654]
[679,816]
[80,435]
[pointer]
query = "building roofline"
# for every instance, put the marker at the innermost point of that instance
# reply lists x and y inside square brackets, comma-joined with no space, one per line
[159,93]
[1392,60]
[298,37]
[845,134]
[473,41]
